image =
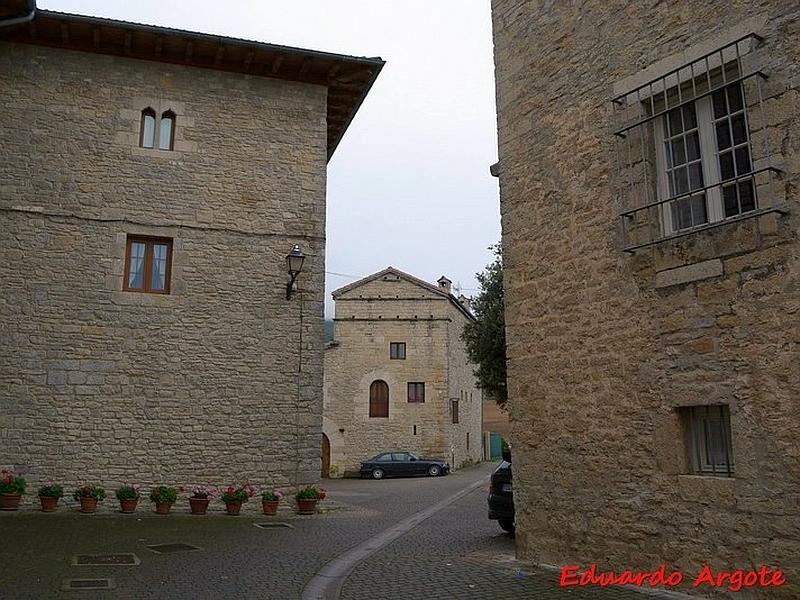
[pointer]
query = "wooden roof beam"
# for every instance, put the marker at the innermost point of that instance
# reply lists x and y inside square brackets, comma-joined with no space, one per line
[276,64]
[220,53]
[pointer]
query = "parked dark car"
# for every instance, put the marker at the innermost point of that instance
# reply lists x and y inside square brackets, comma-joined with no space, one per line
[501,495]
[399,463]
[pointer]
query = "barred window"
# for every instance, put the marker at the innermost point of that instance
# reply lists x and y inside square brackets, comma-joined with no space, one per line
[687,153]
[707,436]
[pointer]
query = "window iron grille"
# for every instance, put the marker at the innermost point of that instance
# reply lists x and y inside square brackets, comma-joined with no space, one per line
[708,437]
[693,148]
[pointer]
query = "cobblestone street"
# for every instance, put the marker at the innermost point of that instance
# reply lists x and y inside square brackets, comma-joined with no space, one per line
[456,553]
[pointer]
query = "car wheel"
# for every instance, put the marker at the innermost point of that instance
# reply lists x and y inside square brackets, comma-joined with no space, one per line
[377,474]
[434,471]
[507,525]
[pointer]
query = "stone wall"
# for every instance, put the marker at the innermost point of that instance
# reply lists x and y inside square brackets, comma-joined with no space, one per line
[198,386]
[604,346]
[368,318]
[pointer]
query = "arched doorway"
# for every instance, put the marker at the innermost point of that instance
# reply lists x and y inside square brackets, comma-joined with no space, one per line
[326,457]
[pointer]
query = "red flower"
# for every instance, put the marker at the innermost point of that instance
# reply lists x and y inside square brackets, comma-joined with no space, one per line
[231,489]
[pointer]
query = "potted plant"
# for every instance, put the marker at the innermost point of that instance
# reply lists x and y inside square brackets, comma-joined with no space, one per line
[307,499]
[270,501]
[234,497]
[49,495]
[164,496]
[11,489]
[89,496]
[199,499]
[128,497]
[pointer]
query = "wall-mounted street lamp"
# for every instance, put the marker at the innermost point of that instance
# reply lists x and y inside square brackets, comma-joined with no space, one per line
[294,264]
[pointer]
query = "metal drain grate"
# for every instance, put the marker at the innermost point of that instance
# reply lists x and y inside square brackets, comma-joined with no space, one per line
[173,548]
[273,524]
[105,560]
[88,584]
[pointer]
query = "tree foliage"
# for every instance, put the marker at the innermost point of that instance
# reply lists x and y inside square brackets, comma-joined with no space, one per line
[485,338]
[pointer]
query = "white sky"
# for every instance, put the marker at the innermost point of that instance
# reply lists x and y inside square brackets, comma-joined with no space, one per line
[409,184]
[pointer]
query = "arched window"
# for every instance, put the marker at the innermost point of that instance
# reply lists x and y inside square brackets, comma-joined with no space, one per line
[379,399]
[147,129]
[166,128]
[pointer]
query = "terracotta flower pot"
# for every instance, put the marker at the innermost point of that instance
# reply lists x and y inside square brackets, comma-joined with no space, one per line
[306,507]
[9,501]
[270,506]
[128,505]
[88,505]
[162,508]
[49,503]
[199,506]
[233,508]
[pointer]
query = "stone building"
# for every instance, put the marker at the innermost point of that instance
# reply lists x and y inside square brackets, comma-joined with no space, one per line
[397,374]
[649,171]
[152,182]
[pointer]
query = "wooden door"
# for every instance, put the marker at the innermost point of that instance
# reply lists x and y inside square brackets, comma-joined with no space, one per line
[326,457]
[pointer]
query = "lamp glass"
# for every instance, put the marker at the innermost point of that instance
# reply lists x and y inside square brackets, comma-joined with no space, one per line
[294,260]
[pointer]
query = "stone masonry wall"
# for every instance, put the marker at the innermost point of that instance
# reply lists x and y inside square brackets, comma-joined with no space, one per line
[368,318]
[195,387]
[604,346]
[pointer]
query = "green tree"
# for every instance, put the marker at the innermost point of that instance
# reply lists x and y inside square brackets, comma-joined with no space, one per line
[485,338]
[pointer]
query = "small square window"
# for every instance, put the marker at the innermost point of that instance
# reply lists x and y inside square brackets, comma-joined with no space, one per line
[416,392]
[707,433]
[148,265]
[397,350]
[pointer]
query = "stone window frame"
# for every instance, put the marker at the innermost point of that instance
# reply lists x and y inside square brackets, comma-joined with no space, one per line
[397,350]
[646,221]
[699,454]
[130,132]
[416,391]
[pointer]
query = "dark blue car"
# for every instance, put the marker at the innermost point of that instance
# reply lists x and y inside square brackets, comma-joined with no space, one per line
[399,463]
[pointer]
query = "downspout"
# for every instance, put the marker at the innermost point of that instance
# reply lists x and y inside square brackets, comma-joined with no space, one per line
[22,19]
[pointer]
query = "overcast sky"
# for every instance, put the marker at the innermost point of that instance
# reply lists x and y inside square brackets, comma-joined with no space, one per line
[409,185]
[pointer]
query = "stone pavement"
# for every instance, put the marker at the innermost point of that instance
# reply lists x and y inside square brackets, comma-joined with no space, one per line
[456,553]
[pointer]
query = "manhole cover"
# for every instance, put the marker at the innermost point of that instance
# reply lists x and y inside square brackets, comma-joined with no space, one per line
[172,548]
[104,560]
[273,524]
[88,584]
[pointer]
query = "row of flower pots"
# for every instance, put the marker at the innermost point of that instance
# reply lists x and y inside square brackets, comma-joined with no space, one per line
[13,486]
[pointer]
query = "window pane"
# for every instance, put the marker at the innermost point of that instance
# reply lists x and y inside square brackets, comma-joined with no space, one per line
[726,165]
[735,97]
[742,160]
[165,136]
[689,117]
[693,146]
[695,176]
[148,130]
[731,204]
[668,152]
[136,273]
[747,198]
[159,277]
[699,214]
[739,129]
[674,120]
[681,180]
[678,151]
[715,447]
[720,109]
[723,135]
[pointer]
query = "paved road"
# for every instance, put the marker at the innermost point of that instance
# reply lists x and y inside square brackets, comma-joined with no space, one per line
[455,553]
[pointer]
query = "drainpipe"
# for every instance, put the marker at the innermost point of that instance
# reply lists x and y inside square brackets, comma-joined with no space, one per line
[22,19]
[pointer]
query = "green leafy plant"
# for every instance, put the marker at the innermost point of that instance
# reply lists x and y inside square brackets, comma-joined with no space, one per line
[127,492]
[90,491]
[241,494]
[11,483]
[51,490]
[272,496]
[164,493]
[308,493]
